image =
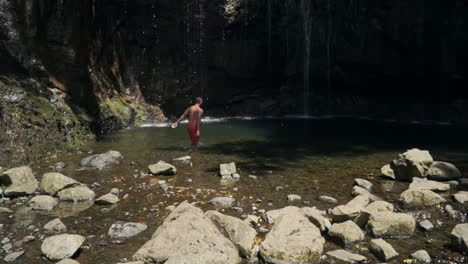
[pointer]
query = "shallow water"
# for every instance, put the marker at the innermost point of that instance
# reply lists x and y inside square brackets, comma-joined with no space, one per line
[308,157]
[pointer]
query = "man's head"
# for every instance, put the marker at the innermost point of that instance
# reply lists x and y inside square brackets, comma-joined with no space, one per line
[199,100]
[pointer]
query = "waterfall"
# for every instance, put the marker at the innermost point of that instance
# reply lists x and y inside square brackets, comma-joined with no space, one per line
[269,43]
[306,14]
[155,60]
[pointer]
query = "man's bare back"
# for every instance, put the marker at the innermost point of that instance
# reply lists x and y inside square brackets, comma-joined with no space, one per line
[194,114]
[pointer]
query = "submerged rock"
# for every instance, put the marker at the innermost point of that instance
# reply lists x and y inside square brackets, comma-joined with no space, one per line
[43,202]
[420,198]
[294,197]
[5,210]
[162,168]
[238,231]
[55,225]
[424,184]
[188,236]
[18,181]
[382,249]
[347,232]
[61,246]
[107,199]
[121,231]
[459,237]
[443,171]
[293,239]
[363,183]
[412,163]
[102,160]
[421,256]
[426,225]
[52,183]
[387,172]
[345,256]
[13,256]
[391,224]
[222,202]
[69,261]
[227,169]
[76,194]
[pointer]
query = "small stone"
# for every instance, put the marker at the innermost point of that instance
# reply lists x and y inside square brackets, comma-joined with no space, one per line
[183,159]
[363,183]
[13,256]
[347,232]
[222,202]
[279,188]
[121,231]
[387,172]
[55,226]
[382,250]
[451,212]
[426,225]
[115,191]
[345,256]
[162,168]
[294,197]
[95,185]
[461,196]
[253,177]
[5,240]
[328,199]
[421,256]
[43,202]
[28,239]
[235,176]
[107,199]
[227,169]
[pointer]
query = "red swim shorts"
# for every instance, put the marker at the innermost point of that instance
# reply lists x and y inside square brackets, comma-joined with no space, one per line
[192,131]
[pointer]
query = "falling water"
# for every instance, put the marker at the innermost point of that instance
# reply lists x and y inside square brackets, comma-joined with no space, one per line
[156,61]
[305,8]
[269,43]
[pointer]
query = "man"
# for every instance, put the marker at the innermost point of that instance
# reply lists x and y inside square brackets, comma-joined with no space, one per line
[194,113]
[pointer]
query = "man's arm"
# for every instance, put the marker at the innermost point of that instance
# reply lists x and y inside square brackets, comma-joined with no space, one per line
[199,122]
[182,117]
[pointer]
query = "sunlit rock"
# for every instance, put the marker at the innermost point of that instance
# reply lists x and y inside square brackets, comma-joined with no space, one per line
[61,246]
[76,194]
[425,184]
[162,168]
[387,172]
[18,181]
[412,163]
[345,256]
[420,198]
[346,233]
[459,237]
[391,224]
[55,225]
[121,231]
[52,183]
[102,160]
[443,171]
[382,249]
[43,202]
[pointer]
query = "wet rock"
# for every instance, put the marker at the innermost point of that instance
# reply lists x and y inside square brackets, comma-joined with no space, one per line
[424,184]
[61,246]
[461,196]
[115,191]
[18,181]
[387,172]
[188,236]
[162,168]
[59,166]
[426,225]
[314,215]
[442,171]
[222,202]
[28,239]
[7,247]
[391,224]
[121,231]
[459,237]
[95,185]
[452,212]
[420,198]
[463,182]
[102,160]
[253,177]
[327,199]
[238,231]
[351,211]
[379,206]
[227,169]
[183,159]
[293,239]
[76,194]
[4,210]
[421,256]
[412,163]
[68,261]
[13,256]
[347,232]
[43,202]
[345,256]
[52,183]
[382,249]
[55,226]
[357,190]
[294,197]
[363,183]
[64,210]
[170,208]
[279,188]
[107,199]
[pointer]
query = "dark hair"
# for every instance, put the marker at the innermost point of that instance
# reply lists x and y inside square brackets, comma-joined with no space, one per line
[198,100]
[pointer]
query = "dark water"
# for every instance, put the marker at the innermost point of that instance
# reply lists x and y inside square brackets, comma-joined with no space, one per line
[309,158]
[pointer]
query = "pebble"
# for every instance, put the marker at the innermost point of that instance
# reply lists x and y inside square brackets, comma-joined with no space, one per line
[125,196]
[294,197]
[27,239]
[115,191]
[328,199]
[451,212]
[95,185]
[5,240]
[279,188]
[253,177]
[426,225]
[13,256]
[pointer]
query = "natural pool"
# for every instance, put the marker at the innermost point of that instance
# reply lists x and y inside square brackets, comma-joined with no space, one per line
[309,157]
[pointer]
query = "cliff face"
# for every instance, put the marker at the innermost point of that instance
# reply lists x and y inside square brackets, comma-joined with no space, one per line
[74,69]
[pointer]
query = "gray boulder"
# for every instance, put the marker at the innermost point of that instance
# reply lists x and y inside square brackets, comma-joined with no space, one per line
[345,256]
[238,231]
[53,182]
[412,163]
[222,202]
[420,198]
[314,215]
[293,239]
[421,256]
[13,256]
[188,236]
[443,171]
[18,181]
[4,210]
[76,194]
[61,246]
[382,250]
[121,231]
[107,199]
[55,226]
[351,211]
[461,196]
[162,168]
[391,224]
[43,202]
[347,232]
[102,160]
[387,172]
[459,237]
[425,184]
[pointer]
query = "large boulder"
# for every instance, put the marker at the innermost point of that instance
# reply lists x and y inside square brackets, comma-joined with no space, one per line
[43,202]
[425,184]
[188,236]
[412,163]
[391,224]
[459,237]
[162,168]
[352,210]
[238,231]
[121,231]
[61,246]
[77,194]
[420,198]
[53,182]
[314,215]
[102,160]
[346,233]
[293,239]
[18,181]
[379,206]
[443,171]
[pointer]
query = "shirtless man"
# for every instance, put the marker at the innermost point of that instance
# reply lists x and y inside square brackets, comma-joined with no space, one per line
[194,113]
